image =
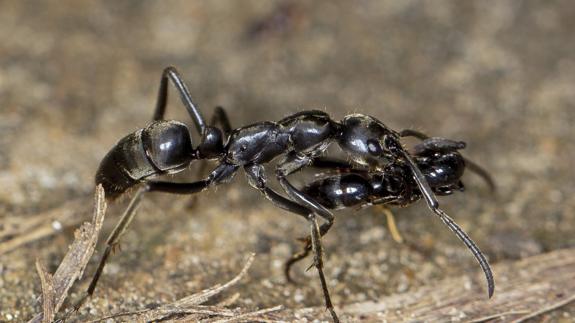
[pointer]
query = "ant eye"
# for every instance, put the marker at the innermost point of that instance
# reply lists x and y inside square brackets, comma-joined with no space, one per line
[374,147]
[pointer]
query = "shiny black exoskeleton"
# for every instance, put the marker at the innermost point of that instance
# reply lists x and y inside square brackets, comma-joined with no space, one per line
[297,141]
[442,168]
[162,147]
[441,165]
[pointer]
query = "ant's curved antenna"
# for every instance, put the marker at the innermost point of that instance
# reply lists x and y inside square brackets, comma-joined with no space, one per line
[433,204]
[471,246]
[481,172]
[422,183]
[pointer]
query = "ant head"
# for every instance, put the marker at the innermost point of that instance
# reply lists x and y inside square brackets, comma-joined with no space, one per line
[441,164]
[390,182]
[368,141]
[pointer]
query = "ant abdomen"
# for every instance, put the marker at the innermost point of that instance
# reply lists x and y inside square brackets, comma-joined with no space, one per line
[338,192]
[162,147]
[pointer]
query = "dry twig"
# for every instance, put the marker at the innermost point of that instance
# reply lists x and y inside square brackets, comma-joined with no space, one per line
[189,308]
[546,309]
[47,292]
[16,232]
[75,260]
[529,287]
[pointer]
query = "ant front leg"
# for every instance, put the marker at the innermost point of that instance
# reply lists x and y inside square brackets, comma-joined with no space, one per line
[291,164]
[257,179]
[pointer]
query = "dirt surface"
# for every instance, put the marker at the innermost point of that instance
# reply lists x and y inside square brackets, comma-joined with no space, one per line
[77,76]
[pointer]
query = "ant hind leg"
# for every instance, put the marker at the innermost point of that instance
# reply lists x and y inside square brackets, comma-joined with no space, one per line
[112,242]
[170,73]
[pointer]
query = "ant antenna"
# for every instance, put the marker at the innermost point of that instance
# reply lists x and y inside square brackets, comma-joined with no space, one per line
[481,172]
[433,204]
[421,182]
[471,246]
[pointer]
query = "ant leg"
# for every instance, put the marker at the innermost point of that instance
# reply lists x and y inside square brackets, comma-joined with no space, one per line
[483,263]
[318,263]
[304,252]
[221,174]
[220,116]
[309,202]
[171,73]
[481,172]
[295,258]
[413,133]
[112,242]
[473,167]
[257,179]
[291,164]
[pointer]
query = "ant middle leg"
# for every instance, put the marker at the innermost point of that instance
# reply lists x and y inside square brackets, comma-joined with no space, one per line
[257,179]
[318,263]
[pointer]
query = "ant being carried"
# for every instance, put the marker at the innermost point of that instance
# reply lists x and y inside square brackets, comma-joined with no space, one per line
[382,170]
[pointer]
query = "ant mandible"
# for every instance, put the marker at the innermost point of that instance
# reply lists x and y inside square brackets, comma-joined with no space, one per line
[165,147]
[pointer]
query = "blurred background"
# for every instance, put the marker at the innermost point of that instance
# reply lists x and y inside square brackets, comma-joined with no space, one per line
[77,76]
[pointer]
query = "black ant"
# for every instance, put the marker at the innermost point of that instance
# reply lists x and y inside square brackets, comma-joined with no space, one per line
[439,161]
[165,147]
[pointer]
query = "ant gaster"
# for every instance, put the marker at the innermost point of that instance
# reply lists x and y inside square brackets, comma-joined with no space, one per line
[165,147]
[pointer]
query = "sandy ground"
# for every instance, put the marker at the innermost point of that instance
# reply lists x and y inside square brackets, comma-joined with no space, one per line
[75,77]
